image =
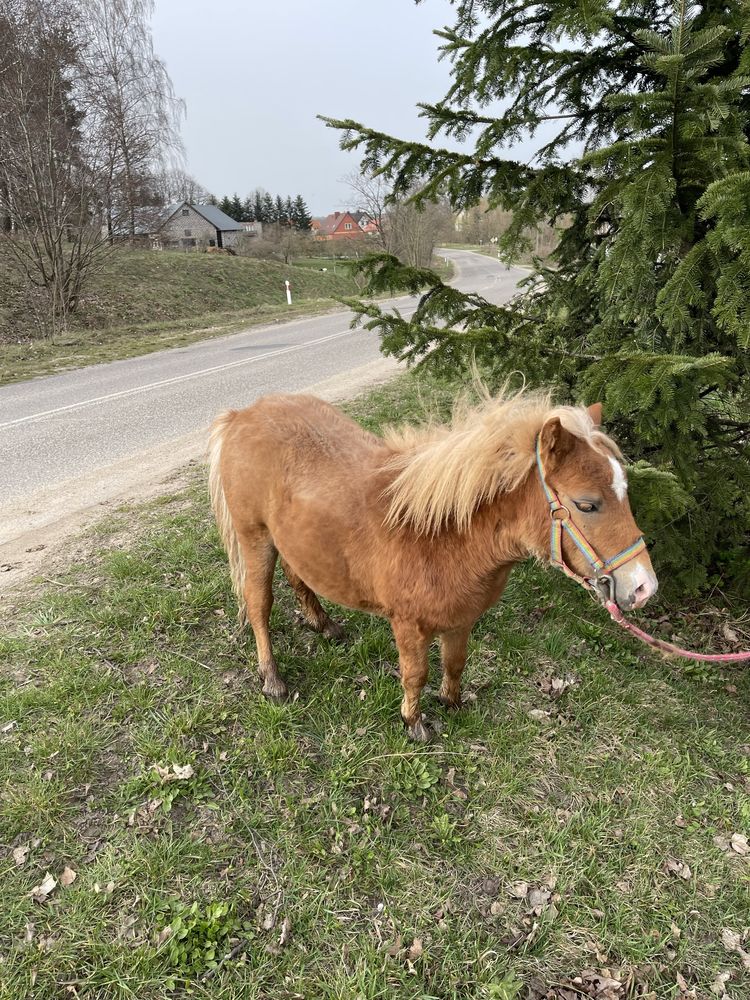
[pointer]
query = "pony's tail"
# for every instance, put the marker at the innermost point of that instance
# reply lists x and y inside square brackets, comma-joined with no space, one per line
[222,513]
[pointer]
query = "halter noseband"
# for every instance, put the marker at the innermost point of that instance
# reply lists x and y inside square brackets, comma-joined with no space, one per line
[562,521]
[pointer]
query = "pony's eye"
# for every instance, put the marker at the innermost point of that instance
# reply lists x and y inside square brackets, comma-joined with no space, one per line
[585,506]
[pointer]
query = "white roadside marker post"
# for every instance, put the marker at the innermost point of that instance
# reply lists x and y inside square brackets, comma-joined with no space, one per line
[288,293]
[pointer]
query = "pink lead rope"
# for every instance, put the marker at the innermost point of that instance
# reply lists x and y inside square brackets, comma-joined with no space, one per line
[562,522]
[668,647]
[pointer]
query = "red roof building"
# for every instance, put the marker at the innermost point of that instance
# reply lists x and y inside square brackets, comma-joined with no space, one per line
[336,226]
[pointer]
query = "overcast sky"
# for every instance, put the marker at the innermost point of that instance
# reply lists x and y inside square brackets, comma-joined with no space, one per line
[254,74]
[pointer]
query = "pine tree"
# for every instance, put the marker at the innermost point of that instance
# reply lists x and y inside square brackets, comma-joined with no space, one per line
[248,210]
[226,205]
[300,214]
[280,210]
[269,209]
[289,211]
[236,208]
[646,301]
[258,211]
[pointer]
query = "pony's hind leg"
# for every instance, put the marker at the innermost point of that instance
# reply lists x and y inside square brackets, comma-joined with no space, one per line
[312,610]
[259,555]
[453,656]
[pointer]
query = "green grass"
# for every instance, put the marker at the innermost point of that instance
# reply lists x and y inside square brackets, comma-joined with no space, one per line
[144,301]
[389,869]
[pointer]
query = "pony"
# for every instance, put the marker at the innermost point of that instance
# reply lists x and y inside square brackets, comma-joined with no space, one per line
[421,526]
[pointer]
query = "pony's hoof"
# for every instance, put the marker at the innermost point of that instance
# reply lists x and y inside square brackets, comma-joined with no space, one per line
[276,691]
[452,704]
[419,732]
[334,631]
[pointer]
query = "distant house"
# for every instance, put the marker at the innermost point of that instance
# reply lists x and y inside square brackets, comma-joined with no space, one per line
[186,226]
[336,226]
[365,221]
[252,229]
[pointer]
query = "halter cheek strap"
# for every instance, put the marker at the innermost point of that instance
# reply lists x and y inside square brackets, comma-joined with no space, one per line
[561,521]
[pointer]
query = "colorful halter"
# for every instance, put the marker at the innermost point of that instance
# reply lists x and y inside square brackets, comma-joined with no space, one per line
[562,521]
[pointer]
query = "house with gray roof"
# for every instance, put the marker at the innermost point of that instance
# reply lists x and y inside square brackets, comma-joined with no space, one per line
[186,226]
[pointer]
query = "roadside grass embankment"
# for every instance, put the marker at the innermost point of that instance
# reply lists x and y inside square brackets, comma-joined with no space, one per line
[583,816]
[142,301]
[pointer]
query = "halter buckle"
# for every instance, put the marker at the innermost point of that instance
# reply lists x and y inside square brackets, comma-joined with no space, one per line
[556,508]
[604,585]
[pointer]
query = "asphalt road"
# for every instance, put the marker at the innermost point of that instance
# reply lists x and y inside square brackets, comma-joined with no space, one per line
[57,428]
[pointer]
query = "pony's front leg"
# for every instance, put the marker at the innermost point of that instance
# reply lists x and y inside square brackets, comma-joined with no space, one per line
[413,645]
[453,656]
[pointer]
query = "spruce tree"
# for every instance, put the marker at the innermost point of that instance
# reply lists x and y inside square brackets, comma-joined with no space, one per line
[269,209]
[248,210]
[645,304]
[289,211]
[258,210]
[280,210]
[236,208]
[226,205]
[301,215]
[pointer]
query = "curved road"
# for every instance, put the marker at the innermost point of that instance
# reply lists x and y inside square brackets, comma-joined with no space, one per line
[79,439]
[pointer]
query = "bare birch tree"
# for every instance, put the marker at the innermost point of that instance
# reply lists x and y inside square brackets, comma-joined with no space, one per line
[129,89]
[50,161]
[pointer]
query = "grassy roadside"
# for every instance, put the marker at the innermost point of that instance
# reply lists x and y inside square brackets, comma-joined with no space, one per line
[143,301]
[574,820]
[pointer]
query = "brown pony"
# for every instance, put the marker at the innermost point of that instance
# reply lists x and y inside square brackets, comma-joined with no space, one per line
[422,526]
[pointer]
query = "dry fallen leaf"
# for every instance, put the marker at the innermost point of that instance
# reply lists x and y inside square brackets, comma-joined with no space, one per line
[719,984]
[519,890]
[555,687]
[679,868]
[732,941]
[395,948]
[729,634]
[20,854]
[537,899]
[40,892]
[734,846]
[739,844]
[68,876]
[538,715]
[415,949]
[164,935]
[183,773]
[286,932]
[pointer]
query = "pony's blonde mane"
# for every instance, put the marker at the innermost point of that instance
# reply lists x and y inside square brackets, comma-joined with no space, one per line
[445,471]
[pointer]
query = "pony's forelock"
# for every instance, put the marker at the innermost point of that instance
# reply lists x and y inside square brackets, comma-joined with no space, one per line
[444,471]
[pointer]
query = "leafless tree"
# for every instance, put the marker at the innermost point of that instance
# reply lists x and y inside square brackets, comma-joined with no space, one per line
[282,243]
[371,194]
[408,232]
[173,184]
[130,92]
[50,160]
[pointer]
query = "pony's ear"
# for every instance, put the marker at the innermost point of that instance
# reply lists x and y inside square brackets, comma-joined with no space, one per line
[555,441]
[595,412]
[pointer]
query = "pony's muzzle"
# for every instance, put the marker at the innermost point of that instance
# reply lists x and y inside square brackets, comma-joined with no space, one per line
[632,585]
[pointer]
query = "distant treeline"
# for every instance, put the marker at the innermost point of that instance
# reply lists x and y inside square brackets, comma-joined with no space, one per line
[260,206]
